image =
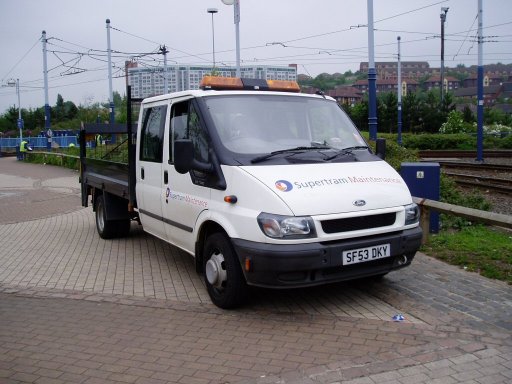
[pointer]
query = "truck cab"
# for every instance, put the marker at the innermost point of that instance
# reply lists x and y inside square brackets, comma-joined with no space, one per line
[268,187]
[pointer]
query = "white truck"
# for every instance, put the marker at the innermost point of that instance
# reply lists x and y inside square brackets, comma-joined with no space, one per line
[263,185]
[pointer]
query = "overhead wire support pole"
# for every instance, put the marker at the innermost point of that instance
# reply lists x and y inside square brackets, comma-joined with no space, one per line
[444,11]
[480,89]
[20,120]
[164,51]
[16,83]
[110,92]
[47,115]
[372,77]
[399,93]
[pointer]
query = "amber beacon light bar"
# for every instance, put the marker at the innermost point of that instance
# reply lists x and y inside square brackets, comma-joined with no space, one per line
[235,83]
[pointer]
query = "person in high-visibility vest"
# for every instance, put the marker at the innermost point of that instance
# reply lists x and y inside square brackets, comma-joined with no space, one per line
[98,139]
[23,149]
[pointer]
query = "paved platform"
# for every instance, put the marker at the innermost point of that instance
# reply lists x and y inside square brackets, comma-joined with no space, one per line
[76,308]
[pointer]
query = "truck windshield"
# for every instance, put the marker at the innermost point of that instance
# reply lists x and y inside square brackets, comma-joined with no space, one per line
[258,124]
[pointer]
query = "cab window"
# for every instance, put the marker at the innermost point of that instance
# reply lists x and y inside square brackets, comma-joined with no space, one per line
[186,124]
[152,134]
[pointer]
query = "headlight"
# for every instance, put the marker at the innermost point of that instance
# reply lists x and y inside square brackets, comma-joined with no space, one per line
[412,214]
[288,227]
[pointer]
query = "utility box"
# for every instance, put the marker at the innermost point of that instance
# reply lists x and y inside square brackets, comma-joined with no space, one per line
[423,180]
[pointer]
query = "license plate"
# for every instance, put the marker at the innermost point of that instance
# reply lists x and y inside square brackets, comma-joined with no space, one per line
[362,255]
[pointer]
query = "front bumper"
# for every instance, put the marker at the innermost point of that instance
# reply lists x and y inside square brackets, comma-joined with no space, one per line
[302,265]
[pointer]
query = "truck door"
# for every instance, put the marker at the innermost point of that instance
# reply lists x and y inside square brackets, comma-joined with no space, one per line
[187,195]
[150,184]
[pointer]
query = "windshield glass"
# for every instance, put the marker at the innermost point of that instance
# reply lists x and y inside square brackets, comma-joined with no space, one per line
[255,124]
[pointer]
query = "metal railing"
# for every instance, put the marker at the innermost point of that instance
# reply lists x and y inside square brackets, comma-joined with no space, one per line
[62,158]
[491,218]
[8,143]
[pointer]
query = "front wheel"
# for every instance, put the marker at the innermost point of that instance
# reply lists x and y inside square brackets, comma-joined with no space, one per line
[223,276]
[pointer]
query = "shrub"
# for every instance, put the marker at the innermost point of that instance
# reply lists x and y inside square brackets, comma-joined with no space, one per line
[439,141]
[451,194]
[455,124]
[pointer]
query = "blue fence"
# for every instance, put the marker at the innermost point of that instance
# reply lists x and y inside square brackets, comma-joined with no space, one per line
[38,142]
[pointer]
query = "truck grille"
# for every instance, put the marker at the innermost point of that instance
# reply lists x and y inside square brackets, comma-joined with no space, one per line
[358,223]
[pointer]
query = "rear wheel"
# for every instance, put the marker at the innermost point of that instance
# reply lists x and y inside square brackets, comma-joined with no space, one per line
[223,276]
[106,228]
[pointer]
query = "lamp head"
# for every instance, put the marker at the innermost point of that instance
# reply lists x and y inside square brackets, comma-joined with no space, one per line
[212,10]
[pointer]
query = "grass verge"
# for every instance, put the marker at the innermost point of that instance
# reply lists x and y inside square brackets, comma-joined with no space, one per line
[481,249]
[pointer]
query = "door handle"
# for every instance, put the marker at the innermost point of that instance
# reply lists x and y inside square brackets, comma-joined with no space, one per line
[166,177]
[142,173]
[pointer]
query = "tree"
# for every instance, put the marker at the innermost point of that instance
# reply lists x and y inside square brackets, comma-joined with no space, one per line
[467,115]
[118,100]
[5,124]
[92,113]
[411,113]
[432,112]
[387,112]
[58,110]
[496,116]
[70,110]
[325,81]
[359,114]
[121,111]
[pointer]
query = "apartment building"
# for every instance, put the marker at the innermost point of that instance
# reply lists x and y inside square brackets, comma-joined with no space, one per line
[149,81]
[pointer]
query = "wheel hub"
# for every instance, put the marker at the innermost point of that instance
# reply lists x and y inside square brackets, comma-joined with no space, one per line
[215,270]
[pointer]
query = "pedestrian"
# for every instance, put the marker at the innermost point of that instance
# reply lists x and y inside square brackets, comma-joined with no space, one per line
[23,149]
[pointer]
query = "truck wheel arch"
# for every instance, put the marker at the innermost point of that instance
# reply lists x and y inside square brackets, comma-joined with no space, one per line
[207,229]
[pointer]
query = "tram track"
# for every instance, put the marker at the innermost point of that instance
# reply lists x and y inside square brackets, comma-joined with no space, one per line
[495,184]
[451,154]
[492,177]
[480,167]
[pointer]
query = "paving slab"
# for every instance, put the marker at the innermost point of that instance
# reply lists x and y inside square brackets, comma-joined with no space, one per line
[76,308]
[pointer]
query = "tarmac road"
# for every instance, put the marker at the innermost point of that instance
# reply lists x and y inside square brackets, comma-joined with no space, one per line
[76,308]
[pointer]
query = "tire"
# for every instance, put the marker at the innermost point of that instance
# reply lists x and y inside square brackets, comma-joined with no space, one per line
[223,275]
[106,228]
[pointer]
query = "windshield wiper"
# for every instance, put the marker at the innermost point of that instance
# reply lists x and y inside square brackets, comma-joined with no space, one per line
[281,151]
[346,151]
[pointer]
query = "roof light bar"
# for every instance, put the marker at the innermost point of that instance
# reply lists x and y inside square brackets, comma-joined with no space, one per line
[235,83]
[216,82]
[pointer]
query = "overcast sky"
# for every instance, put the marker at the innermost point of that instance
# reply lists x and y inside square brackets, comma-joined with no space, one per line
[317,35]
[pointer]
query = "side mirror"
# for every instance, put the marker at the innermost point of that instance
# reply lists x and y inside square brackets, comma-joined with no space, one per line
[183,156]
[184,160]
[380,147]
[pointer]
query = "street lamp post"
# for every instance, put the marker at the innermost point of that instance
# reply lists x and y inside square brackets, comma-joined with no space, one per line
[236,11]
[16,83]
[213,11]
